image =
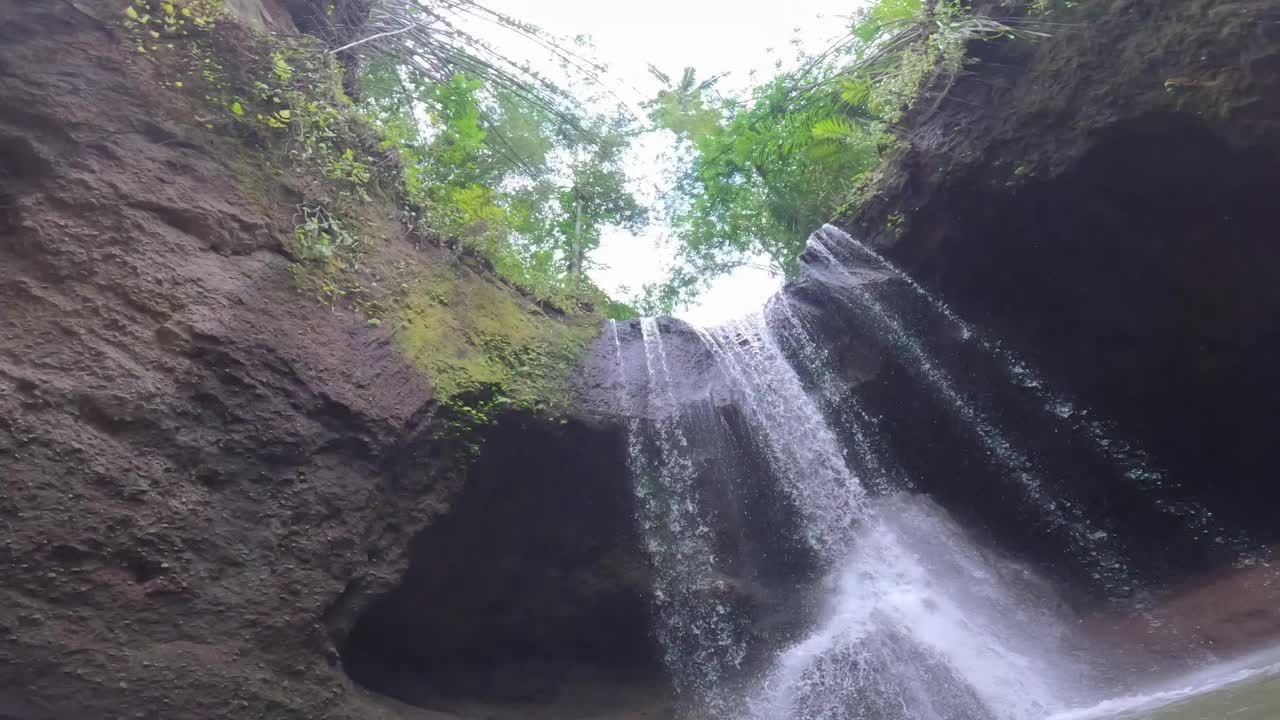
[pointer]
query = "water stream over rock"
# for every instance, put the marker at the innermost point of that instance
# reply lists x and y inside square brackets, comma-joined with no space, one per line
[798,572]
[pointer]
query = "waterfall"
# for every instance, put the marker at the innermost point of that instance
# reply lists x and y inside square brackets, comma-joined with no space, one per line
[1060,514]
[1132,461]
[802,450]
[861,428]
[918,623]
[797,576]
[921,626]
[697,631]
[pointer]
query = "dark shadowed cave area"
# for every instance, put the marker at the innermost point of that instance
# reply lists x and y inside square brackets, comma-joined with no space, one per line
[533,596]
[1143,281]
[532,587]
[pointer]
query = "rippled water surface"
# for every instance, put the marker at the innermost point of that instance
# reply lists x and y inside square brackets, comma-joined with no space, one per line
[1258,700]
[1243,690]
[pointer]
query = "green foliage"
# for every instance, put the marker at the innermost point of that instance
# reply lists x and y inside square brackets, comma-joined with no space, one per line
[760,181]
[594,196]
[280,67]
[429,42]
[498,176]
[344,167]
[320,237]
[152,20]
[759,175]
[1044,7]
[684,108]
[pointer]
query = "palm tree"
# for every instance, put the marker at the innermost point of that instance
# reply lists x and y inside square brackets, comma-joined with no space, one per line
[681,107]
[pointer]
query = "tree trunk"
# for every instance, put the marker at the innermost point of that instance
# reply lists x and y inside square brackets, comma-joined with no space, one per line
[575,251]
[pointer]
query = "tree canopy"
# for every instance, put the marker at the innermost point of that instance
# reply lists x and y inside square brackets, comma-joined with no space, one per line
[504,164]
[513,165]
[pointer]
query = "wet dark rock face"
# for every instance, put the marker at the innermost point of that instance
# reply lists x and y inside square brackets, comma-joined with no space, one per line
[1144,280]
[766,564]
[535,577]
[1123,244]
[1139,283]
[615,383]
[939,412]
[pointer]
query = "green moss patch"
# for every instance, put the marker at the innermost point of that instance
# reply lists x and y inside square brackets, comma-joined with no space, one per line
[478,339]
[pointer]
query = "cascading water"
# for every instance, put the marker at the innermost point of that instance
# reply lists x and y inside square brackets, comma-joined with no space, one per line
[697,632]
[919,622]
[1134,462]
[1060,514]
[915,620]
[861,428]
[923,626]
[803,453]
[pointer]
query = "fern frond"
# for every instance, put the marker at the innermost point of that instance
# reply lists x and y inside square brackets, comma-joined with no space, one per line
[832,129]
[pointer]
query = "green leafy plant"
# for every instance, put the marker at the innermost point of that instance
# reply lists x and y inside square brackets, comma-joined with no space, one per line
[534,202]
[320,237]
[280,67]
[347,168]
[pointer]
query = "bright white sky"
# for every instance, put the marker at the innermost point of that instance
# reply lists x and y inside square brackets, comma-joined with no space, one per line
[713,36]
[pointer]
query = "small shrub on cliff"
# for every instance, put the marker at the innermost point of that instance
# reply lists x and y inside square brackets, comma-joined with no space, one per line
[320,237]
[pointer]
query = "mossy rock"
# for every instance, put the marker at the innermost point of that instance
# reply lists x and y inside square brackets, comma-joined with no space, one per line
[469,334]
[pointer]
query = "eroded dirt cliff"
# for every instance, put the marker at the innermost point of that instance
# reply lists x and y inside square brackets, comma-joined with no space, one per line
[209,475]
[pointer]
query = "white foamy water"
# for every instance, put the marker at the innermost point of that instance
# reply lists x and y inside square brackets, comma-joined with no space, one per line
[916,621]
[804,454]
[859,426]
[923,626]
[697,632]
